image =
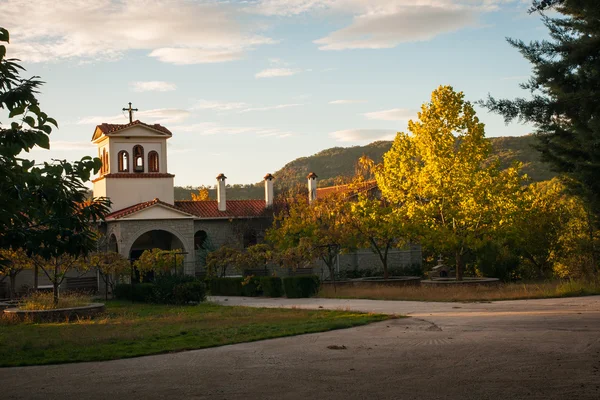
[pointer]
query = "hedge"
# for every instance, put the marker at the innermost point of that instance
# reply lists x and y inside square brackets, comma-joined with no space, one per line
[271,286]
[142,292]
[166,289]
[301,286]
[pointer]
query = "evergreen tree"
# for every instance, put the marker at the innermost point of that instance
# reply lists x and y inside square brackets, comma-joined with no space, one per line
[564,105]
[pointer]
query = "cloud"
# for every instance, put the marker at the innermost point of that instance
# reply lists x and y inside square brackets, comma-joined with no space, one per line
[179,56]
[347,101]
[387,30]
[385,23]
[359,135]
[214,128]
[219,105]
[157,116]
[153,86]
[395,114]
[270,108]
[276,72]
[173,31]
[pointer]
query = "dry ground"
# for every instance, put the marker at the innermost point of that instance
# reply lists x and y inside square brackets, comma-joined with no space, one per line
[534,349]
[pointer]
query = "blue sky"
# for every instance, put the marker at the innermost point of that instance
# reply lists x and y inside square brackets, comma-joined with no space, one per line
[247,86]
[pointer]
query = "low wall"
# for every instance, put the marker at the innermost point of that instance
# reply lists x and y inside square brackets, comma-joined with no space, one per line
[394,281]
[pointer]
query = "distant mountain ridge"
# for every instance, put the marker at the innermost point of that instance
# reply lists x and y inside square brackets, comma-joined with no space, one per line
[339,162]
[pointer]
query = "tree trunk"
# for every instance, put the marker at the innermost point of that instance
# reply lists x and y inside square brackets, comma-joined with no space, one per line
[13,283]
[459,266]
[55,285]
[35,276]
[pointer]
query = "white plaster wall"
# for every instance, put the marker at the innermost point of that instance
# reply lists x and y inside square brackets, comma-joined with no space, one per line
[100,188]
[157,212]
[125,192]
[149,144]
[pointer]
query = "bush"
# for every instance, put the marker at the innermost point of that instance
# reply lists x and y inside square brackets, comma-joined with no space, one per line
[249,286]
[187,292]
[142,292]
[166,289]
[271,286]
[226,286]
[301,286]
[165,285]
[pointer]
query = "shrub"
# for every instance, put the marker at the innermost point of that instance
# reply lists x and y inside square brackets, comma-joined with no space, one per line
[226,286]
[184,293]
[251,286]
[271,286]
[301,286]
[122,291]
[167,289]
[143,292]
[165,286]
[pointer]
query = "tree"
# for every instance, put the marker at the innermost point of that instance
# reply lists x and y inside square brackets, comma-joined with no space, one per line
[256,256]
[158,261]
[43,207]
[318,226]
[111,266]
[379,226]
[437,178]
[564,101]
[202,195]
[56,268]
[17,262]
[218,261]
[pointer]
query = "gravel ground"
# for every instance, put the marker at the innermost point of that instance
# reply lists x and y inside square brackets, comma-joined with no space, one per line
[533,349]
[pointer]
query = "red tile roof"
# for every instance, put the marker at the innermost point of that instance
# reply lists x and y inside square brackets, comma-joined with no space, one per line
[134,175]
[138,207]
[112,128]
[235,208]
[326,191]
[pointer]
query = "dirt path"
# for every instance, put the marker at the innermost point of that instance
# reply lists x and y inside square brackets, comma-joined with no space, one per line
[537,349]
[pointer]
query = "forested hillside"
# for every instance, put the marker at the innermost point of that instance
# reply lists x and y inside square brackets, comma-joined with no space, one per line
[339,162]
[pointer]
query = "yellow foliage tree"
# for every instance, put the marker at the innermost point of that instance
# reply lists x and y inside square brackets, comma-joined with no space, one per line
[111,266]
[158,261]
[202,194]
[436,176]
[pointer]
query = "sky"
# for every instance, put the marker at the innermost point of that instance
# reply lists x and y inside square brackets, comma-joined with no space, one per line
[248,86]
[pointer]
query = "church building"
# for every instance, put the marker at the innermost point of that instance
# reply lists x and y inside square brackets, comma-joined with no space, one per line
[144,213]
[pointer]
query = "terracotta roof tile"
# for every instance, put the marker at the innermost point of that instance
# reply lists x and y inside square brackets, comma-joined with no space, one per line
[326,191]
[112,128]
[235,208]
[138,207]
[132,175]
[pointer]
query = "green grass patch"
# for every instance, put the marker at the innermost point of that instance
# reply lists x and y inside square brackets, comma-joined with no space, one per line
[131,330]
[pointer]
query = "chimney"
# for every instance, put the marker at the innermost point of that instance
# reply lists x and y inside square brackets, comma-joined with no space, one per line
[312,187]
[269,190]
[221,192]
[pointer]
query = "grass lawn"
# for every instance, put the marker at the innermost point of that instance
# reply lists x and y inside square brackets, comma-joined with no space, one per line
[130,330]
[510,291]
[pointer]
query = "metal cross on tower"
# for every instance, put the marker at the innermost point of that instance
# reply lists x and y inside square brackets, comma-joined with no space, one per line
[131,110]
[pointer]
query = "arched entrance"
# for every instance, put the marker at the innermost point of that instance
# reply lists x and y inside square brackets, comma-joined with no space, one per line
[155,239]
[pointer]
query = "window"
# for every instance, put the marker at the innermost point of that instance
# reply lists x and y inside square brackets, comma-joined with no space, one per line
[153,161]
[123,161]
[138,158]
[104,159]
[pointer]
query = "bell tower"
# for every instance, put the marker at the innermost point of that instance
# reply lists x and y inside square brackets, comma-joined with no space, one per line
[134,163]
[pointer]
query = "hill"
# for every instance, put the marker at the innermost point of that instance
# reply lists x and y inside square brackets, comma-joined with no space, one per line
[339,162]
